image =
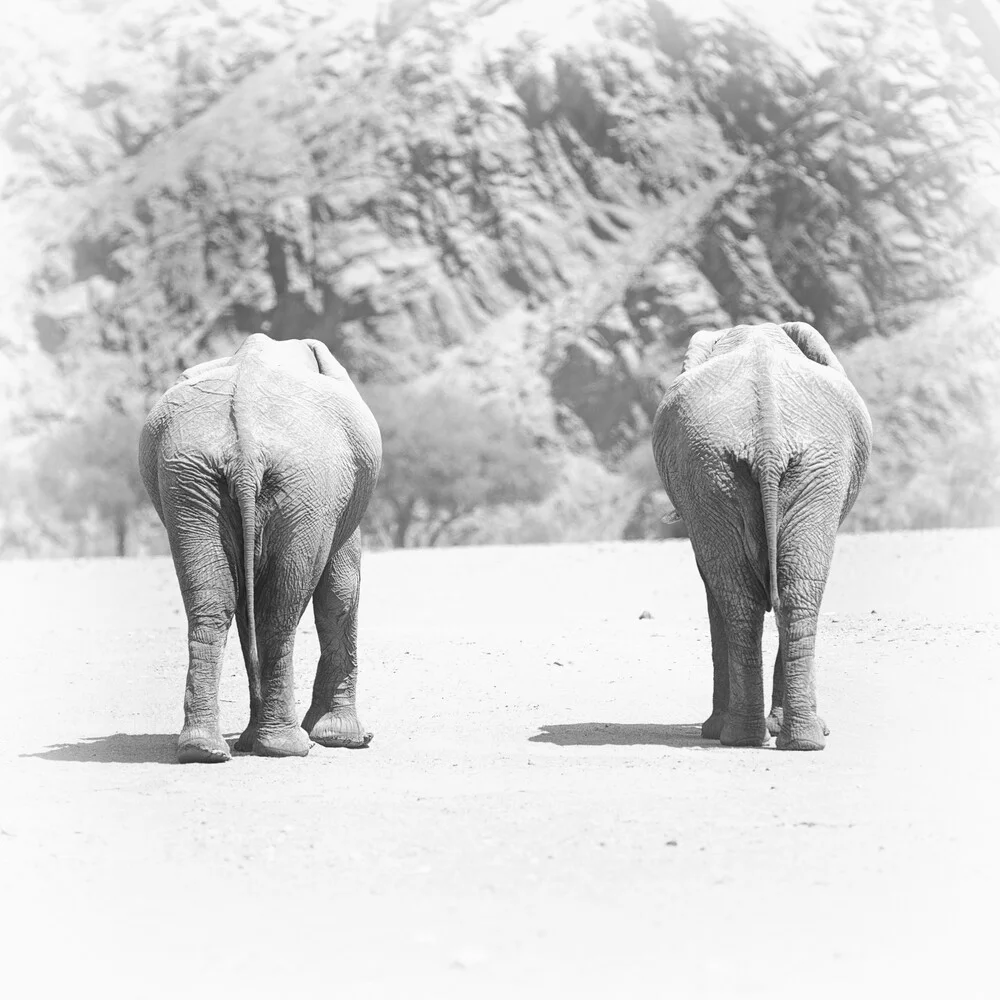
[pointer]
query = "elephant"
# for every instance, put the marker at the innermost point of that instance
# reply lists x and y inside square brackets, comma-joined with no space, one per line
[260,466]
[762,444]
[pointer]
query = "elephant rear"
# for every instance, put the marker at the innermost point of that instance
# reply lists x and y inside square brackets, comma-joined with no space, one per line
[762,444]
[260,467]
[248,449]
[755,437]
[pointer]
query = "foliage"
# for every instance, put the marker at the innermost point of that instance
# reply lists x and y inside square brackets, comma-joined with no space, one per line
[444,456]
[589,503]
[932,393]
[23,533]
[652,515]
[88,470]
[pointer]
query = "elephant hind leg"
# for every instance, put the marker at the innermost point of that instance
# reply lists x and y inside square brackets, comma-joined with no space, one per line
[776,716]
[736,615]
[801,727]
[245,742]
[739,605]
[736,607]
[276,732]
[209,598]
[744,724]
[711,728]
[283,587]
[192,513]
[200,741]
[805,549]
[332,719]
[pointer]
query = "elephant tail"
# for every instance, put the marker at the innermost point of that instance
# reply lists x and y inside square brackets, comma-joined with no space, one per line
[767,478]
[246,500]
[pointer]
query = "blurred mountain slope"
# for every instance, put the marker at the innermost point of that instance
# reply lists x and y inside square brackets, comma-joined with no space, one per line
[933,391]
[540,202]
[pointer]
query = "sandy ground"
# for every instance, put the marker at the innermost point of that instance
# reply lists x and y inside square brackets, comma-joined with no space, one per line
[537,814]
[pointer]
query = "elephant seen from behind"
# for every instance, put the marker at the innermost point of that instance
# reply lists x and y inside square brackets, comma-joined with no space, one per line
[762,444]
[260,467]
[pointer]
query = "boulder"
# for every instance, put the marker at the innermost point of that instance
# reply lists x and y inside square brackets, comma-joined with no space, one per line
[594,384]
[672,300]
[742,273]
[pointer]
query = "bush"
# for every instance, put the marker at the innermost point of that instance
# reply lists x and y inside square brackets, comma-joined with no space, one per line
[932,393]
[446,455]
[87,476]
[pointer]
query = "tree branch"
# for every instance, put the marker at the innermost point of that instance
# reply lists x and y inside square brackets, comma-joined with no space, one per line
[441,525]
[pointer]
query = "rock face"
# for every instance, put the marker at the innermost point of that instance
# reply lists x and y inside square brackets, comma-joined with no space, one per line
[389,198]
[574,188]
[932,391]
[92,83]
[613,377]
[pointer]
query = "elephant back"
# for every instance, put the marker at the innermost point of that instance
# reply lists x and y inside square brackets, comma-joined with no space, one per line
[743,385]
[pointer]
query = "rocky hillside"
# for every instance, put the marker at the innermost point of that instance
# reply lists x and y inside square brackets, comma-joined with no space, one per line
[539,202]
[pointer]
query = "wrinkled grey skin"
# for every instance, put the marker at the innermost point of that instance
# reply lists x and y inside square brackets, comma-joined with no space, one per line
[762,444]
[260,467]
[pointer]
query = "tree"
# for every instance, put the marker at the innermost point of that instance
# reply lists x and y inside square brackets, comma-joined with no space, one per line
[653,515]
[445,455]
[89,468]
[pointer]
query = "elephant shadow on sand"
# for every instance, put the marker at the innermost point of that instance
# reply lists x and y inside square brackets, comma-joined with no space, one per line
[161,748]
[579,734]
[119,748]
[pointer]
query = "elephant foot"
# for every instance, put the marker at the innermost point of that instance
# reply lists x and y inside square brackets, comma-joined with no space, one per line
[711,728]
[339,729]
[245,743]
[201,746]
[740,731]
[774,721]
[286,741]
[807,734]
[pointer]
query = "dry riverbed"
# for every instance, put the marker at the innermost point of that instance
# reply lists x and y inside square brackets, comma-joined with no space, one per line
[536,816]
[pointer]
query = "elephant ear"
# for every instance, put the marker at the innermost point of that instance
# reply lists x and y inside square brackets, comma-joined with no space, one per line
[325,361]
[700,347]
[813,345]
[206,366]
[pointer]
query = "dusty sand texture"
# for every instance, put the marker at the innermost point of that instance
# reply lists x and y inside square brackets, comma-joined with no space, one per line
[536,816]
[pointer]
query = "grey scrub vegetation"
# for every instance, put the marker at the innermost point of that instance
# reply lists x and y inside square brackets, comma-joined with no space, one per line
[260,466]
[762,444]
